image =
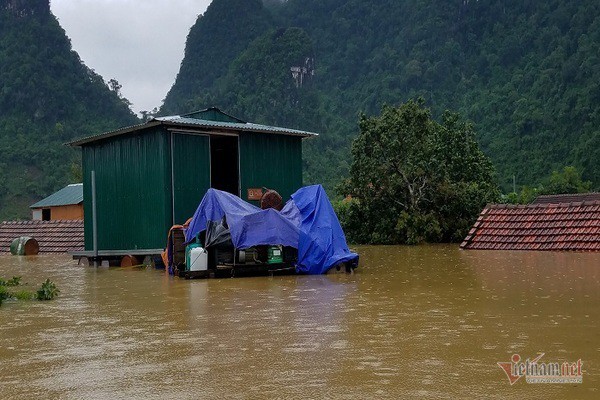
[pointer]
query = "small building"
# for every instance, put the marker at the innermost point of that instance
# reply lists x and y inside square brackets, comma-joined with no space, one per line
[141,180]
[549,223]
[66,204]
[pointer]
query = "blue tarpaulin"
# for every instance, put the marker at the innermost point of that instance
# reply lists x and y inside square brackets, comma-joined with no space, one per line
[322,243]
[248,224]
[307,223]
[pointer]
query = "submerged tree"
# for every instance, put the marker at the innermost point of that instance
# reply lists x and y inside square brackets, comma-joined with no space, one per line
[566,181]
[413,179]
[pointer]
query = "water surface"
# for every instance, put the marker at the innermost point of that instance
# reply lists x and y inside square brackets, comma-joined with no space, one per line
[413,322]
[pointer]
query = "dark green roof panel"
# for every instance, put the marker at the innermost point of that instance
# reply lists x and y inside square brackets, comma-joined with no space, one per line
[213,114]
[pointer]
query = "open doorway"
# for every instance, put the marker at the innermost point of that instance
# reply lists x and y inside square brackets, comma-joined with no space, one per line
[224,164]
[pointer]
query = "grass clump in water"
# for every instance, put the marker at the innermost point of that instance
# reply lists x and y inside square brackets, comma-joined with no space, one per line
[47,291]
[24,295]
[14,281]
[4,295]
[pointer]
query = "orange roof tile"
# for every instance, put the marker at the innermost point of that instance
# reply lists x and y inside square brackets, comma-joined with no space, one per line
[545,226]
[58,236]
[566,198]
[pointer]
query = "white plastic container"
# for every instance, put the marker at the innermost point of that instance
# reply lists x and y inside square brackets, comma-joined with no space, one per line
[198,259]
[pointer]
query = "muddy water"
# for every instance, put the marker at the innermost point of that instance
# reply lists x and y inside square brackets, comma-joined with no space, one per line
[413,322]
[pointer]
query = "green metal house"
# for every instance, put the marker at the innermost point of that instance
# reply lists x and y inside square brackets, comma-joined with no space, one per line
[139,181]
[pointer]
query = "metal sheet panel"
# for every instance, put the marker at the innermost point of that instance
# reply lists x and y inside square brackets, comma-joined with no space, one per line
[132,190]
[271,161]
[191,173]
[88,164]
[69,195]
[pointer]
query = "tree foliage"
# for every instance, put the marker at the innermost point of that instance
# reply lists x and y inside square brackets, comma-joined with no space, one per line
[47,97]
[526,72]
[218,37]
[566,181]
[413,179]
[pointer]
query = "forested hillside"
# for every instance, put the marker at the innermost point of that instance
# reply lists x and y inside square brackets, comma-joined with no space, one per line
[525,72]
[47,97]
[219,36]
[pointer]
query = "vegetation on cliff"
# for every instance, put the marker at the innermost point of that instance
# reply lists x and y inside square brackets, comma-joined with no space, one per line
[47,97]
[526,73]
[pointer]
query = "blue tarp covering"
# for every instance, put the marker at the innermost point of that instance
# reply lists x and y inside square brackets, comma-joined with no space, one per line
[322,242]
[307,223]
[248,224]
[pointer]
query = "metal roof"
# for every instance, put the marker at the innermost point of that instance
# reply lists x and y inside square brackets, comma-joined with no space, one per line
[193,120]
[69,195]
[238,126]
[566,198]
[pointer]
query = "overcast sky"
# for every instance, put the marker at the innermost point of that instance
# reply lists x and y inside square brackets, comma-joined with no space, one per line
[139,43]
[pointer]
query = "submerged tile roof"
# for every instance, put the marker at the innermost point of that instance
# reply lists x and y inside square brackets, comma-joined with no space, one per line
[566,198]
[556,227]
[58,236]
[69,195]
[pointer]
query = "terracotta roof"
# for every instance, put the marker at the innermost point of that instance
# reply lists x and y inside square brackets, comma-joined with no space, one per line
[566,198]
[555,227]
[53,236]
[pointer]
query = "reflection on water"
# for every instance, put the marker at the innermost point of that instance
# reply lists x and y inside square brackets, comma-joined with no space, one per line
[426,322]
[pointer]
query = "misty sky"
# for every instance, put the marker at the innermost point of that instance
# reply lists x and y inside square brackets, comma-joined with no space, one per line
[139,43]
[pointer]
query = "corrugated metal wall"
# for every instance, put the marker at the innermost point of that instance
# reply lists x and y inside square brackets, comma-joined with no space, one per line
[191,173]
[133,191]
[273,161]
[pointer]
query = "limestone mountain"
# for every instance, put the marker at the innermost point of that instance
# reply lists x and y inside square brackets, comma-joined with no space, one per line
[47,97]
[526,72]
[218,37]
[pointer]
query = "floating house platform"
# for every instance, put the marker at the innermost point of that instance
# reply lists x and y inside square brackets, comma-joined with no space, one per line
[141,180]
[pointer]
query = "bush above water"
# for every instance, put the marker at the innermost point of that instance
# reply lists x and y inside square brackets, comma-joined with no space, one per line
[47,291]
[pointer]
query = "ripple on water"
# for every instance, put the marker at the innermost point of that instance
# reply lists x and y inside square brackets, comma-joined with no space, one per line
[426,321]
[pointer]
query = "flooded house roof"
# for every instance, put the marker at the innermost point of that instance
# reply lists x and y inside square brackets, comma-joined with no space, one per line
[566,198]
[59,236]
[69,195]
[573,226]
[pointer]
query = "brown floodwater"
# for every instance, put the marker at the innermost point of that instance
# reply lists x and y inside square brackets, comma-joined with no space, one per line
[425,322]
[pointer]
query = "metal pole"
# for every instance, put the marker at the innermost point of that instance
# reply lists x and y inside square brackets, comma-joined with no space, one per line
[94,216]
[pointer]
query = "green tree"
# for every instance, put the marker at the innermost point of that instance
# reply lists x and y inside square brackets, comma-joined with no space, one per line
[413,179]
[566,181]
[47,97]
[526,72]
